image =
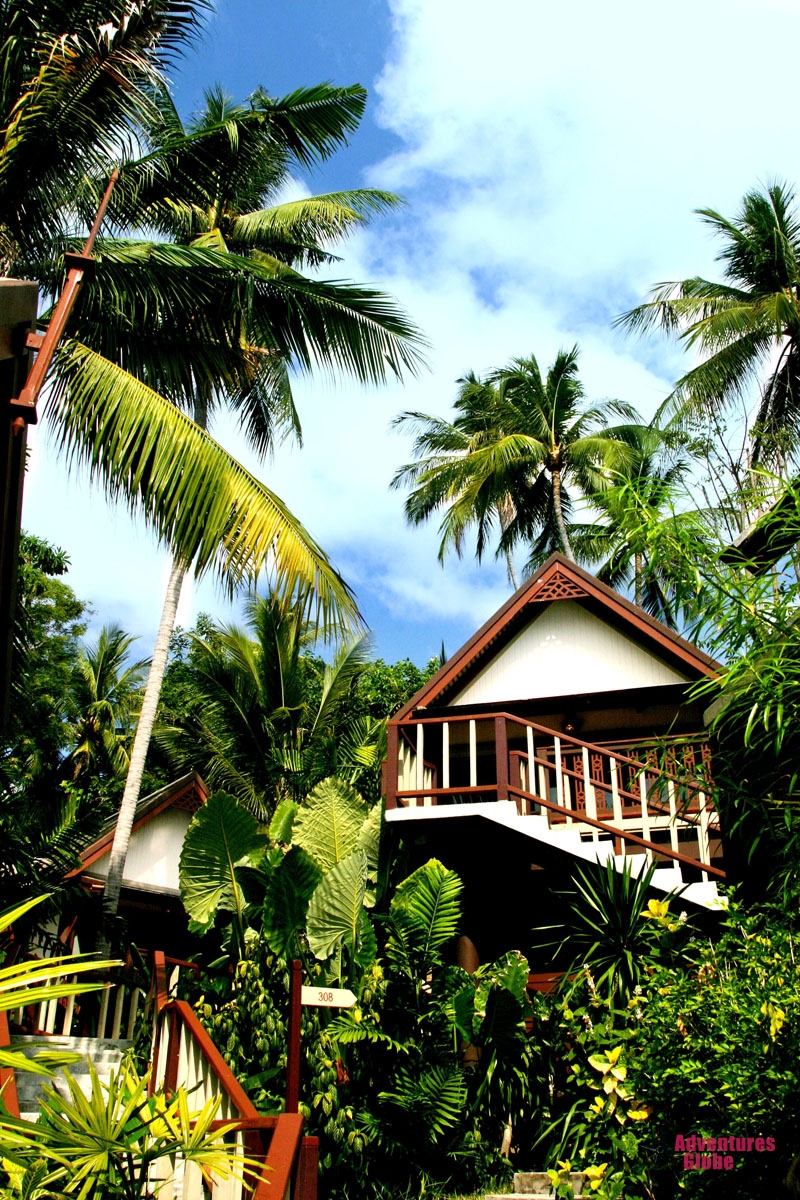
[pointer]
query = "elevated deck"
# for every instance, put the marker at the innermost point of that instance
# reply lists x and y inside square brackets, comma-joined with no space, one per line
[643,802]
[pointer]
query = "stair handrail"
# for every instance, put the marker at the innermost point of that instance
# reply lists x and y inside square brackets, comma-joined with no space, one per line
[289,1156]
[624,834]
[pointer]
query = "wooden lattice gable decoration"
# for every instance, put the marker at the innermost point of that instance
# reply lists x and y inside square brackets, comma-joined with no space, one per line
[188,794]
[558,579]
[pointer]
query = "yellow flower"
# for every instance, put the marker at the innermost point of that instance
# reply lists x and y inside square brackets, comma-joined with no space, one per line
[657,910]
[595,1175]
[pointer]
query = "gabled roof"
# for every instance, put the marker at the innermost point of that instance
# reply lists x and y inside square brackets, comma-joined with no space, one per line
[559,579]
[188,793]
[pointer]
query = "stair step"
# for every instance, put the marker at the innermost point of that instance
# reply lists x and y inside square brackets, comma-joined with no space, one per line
[104,1054]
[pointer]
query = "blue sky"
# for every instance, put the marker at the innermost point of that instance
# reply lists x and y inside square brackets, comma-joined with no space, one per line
[551,158]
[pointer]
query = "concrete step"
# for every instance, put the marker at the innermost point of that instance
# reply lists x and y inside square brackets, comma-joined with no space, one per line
[104,1054]
[537,1183]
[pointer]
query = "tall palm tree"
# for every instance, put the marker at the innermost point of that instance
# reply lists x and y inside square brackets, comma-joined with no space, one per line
[746,329]
[640,501]
[517,443]
[214,203]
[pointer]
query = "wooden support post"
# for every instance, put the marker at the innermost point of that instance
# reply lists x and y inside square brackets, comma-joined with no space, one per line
[473,754]
[501,757]
[446,754]
[293,1059]
[305,1187]
[391,766]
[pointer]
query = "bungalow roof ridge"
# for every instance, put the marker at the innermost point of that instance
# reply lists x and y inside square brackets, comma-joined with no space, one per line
[559,579]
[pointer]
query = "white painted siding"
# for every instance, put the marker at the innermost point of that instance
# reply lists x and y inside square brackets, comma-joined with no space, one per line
[564,652]
[154,852]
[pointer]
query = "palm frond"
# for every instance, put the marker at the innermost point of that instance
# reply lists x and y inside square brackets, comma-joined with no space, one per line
[141,449]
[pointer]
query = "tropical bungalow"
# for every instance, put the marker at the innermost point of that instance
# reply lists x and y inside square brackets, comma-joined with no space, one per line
[565,729]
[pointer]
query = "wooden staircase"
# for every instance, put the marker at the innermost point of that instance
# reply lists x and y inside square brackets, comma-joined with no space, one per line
[646,802]
[184,1056]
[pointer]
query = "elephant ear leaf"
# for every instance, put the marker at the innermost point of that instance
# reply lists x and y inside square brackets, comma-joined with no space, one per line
[280,827]
[221,837]
[286,903]
[426,910]
[329,822]
[334,914]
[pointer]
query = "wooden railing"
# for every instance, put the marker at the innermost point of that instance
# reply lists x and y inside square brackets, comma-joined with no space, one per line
[184,1056]
[647,796]
[8,1083]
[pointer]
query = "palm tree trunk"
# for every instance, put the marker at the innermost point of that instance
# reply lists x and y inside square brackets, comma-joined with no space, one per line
[637,578]
[144,732]
[505,511]
[558,512]
[141,744]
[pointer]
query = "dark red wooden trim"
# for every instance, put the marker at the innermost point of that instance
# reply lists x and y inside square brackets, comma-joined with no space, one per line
[293,1054]
[501,757]
[568,740]
[8,1082]
[98,848]
[284,1149]
[305,1187]
[160,980]
[390,766]
[182,1013]
[653,630]
[173,1051]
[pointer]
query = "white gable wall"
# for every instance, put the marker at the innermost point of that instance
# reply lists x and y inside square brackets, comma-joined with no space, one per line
[565,652]
[154,853]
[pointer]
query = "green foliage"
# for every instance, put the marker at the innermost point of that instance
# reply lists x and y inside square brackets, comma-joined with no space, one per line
[220,842]
[612,929]
[329,823]
[336,907]
[518,440]
[264,719]
[48,809]
[283,914]
[115,1141]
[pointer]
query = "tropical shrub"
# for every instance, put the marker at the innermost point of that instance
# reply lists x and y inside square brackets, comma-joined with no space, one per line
[117,1142]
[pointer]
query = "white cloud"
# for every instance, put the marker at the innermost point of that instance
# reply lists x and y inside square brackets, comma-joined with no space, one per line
[552,156]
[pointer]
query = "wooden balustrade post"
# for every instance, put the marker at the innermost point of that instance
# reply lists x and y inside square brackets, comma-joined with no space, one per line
[293,1057]
[390,766]
[501,757]
[305,1187]
[8,1083]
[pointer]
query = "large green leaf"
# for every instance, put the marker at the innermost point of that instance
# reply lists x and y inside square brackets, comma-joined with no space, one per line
[334,913]
[329,823]
[426,910]
[286,903]
[222,836]
[280,827]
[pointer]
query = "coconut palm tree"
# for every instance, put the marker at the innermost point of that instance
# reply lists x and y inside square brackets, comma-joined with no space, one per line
[745,329]
[517,443]
[106,695]
[214,200]
[635,508]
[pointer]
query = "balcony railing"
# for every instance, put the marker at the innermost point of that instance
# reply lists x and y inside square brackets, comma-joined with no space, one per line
[651,797]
